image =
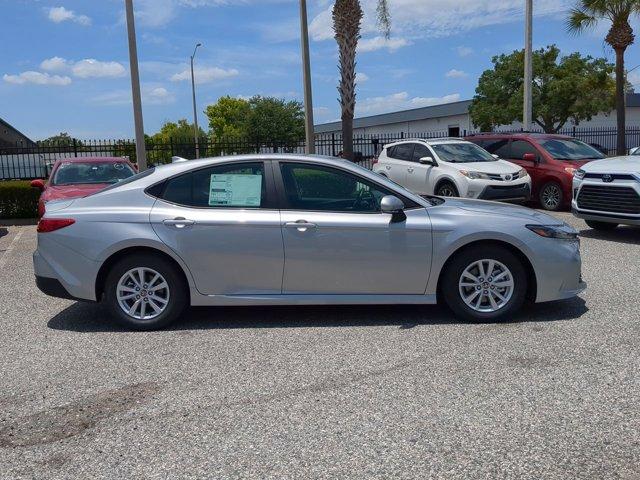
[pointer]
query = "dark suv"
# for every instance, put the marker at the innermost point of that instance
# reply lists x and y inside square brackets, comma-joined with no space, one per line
[549,159]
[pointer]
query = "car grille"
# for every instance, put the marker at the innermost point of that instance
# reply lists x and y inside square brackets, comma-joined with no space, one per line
[500,177]
[614,176]
[609,199]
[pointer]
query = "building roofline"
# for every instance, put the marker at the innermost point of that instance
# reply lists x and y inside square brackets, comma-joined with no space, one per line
[3,122]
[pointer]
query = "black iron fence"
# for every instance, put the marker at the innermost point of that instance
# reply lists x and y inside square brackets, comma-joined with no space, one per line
[36,161]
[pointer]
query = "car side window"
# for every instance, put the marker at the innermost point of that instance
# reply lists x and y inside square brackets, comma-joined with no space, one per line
[421,151]
[520,147]
[403,151]
[498,147]
[222,186]
[319,188]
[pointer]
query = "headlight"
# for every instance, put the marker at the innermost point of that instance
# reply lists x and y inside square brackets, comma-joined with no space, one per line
[570,170]
[579,174]
[522,173]
[554,231]
[475,175]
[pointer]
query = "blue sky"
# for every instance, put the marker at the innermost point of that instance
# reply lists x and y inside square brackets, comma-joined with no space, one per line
[64,63]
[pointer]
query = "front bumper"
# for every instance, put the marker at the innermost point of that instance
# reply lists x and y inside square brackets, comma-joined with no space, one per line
[558,267]
[604,217]
[521,192]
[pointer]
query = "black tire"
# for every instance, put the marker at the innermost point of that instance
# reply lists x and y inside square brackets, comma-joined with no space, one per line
[450,289]
[447,189]
[603,226]
[177,291]
[551,197]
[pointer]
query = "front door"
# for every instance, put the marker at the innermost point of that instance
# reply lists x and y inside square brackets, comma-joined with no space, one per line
[337,241]
[418,174]
[517,150]
[222,222]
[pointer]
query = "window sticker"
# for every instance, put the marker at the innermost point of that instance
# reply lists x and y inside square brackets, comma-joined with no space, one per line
[235,190]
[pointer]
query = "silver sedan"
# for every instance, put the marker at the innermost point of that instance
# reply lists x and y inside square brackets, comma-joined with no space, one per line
[296,230]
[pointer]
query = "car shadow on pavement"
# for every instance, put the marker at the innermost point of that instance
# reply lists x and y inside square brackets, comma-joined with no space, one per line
[3,231]
[89,317]
[622,234]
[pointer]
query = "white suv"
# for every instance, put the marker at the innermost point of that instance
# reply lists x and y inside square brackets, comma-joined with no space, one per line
[606,193]
[452,167]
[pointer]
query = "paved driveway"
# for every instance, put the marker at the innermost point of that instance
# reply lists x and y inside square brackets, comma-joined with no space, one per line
[349,392]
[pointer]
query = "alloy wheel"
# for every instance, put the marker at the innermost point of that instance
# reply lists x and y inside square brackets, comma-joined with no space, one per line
[486,285]
[446,191]
[551,197]
[143,293]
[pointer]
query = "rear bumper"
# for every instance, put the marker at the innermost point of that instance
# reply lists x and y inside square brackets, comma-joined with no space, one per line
[53,288]
[514,193]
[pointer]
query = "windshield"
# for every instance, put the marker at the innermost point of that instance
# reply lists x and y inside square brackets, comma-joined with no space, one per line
[462,153]
[566,149]
[77,173]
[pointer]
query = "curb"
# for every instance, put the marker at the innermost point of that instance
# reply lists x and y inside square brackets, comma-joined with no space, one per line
[17,222]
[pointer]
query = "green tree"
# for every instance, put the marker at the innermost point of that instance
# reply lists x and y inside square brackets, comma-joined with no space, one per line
[568,88]
[181,131]
[228,117]
[347,17]
[63,139]
[259,119]
[586,15]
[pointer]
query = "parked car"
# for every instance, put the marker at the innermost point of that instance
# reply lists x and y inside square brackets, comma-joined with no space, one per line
[551,161]
[296,230]
[452,168]
[81,176]
[606,193]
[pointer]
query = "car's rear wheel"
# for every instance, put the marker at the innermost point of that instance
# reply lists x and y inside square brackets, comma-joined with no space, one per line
[484,283]
[145,292]
[447,189]
[604,226]
[551,196]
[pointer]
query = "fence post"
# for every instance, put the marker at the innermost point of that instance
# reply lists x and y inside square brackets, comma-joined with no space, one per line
[573,132]
[75,147]
[402,135]
[333,144]
[171,143]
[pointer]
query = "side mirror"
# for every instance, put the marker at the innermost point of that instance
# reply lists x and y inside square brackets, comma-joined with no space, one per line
[394,206]
[39,184]
[497,157]
[530,157]
[427,161]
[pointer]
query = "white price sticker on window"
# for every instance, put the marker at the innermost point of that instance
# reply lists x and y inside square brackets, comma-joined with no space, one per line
[235,190]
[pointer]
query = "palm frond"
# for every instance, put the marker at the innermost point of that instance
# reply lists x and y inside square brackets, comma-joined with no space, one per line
[580,20]
[384,18]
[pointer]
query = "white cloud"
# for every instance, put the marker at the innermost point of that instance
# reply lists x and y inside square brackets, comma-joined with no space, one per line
[399,101]
[92,68]
[150,96]
[464,51]
[54,64]
[320,27]
[361,77]
[453,73]
[205,74]
[61,14]
[37,78]
[377,43]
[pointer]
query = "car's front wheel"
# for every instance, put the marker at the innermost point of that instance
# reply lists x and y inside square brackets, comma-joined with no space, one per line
[145,292]
[484,283]
[447,189]
[604,226]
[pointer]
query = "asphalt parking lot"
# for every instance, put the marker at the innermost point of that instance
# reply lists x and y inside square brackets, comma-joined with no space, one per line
[327,392]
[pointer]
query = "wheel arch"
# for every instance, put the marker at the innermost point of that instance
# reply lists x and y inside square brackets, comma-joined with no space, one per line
[532,281]
[445,179]
[106,266]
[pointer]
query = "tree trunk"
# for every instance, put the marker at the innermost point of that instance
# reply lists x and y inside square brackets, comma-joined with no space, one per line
[347,15]
[621,147]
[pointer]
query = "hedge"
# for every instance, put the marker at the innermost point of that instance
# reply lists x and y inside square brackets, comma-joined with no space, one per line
[18,199]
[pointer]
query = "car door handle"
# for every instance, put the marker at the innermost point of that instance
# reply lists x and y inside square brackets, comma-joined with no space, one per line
[301,225]
[410,170]
[178,222]
[388,167]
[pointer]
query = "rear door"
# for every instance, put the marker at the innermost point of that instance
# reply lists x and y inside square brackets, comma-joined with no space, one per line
[337,241]
[223,222]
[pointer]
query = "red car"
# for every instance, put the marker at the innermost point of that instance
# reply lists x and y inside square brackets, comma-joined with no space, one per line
[549,159]
[81,176]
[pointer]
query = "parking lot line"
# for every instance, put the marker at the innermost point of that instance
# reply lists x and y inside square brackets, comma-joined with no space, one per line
[10,248]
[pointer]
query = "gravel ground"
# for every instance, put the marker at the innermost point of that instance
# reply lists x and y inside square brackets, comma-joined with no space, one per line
[349,392]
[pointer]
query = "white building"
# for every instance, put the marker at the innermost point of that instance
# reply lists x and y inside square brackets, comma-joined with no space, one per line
[453,120]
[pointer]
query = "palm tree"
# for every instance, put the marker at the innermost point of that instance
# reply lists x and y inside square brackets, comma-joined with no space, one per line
[347,16]
[586,14]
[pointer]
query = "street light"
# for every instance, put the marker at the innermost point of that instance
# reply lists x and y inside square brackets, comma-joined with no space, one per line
[141,154]
[195,111]
[310,144]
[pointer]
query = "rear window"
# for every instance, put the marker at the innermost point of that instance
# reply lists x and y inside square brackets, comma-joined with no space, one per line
[87,173]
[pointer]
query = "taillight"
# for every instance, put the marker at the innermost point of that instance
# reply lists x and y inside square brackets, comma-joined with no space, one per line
[46,225]
[375,160]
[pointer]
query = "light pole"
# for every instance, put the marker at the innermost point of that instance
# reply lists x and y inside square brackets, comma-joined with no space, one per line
[527,111]
[141,154]
[310,143]
[196,131]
